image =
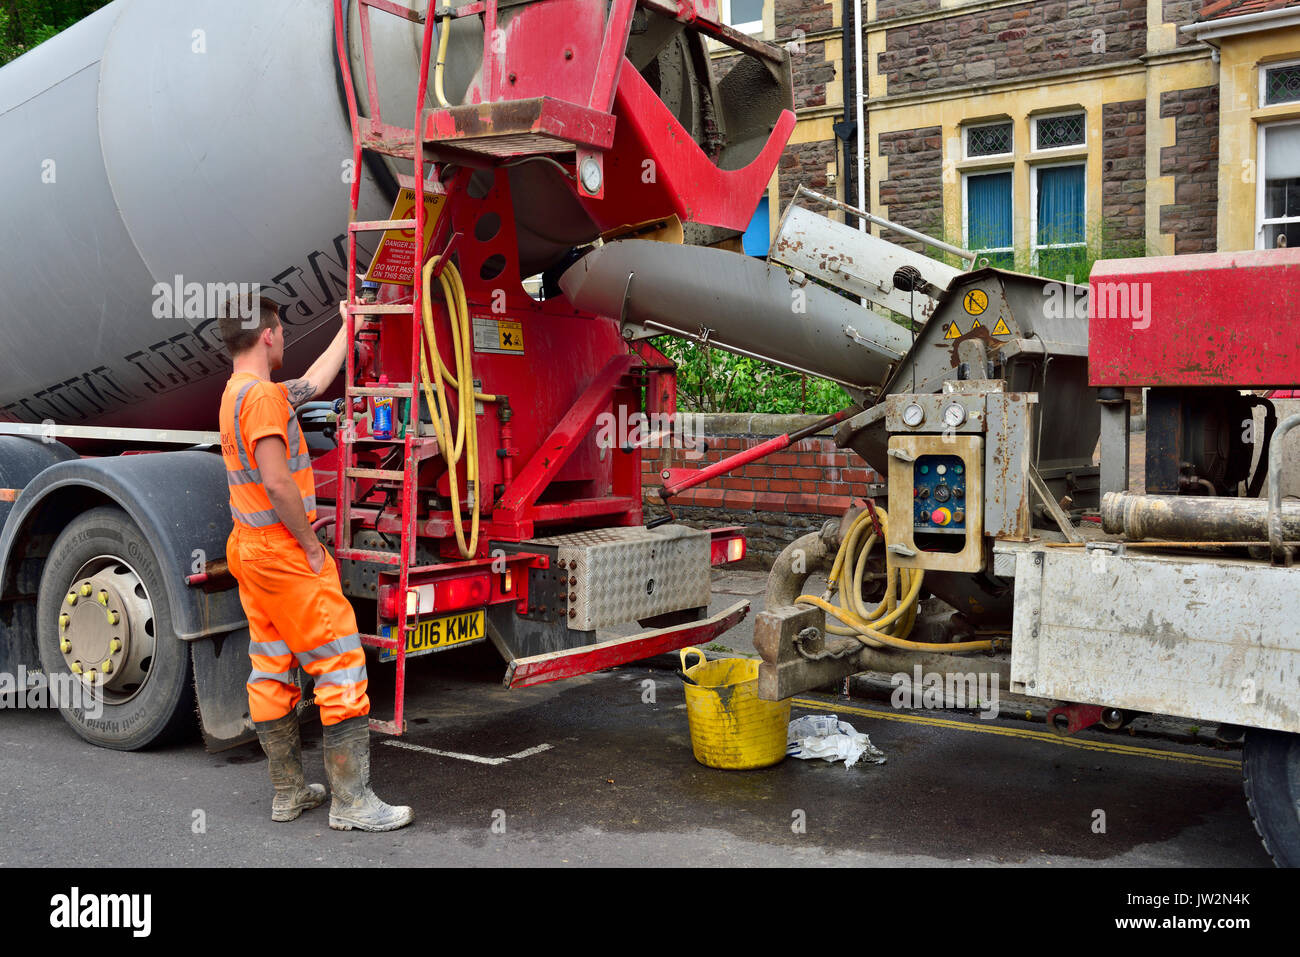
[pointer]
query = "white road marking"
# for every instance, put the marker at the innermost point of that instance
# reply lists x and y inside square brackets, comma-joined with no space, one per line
[477,759]
[531,751]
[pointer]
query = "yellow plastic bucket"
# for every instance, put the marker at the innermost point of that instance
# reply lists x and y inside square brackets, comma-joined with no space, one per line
[731,726]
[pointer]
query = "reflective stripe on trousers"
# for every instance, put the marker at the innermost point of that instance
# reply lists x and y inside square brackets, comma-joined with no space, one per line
[296,617]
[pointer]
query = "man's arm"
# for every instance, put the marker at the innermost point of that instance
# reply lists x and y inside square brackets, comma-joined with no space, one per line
[273,462]
[322,372]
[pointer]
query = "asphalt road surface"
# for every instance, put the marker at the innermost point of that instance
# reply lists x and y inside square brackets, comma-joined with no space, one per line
[599,771]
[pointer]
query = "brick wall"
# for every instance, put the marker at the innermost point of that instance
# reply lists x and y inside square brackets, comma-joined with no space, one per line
[1192,219]
[809,16]
[777,498]
[914,190]
[1181,12]
[1042,37]
[887,9]
[1123,171]
[805,163]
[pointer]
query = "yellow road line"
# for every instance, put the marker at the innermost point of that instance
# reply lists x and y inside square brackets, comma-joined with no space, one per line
[1046,737]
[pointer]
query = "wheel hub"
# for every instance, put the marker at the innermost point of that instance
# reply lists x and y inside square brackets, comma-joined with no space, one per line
[106,628]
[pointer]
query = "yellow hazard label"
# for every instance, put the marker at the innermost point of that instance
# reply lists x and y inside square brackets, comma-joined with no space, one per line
[953,331]
[510,335]
[975,325]
[975,301]
[498,335]
[1001,328]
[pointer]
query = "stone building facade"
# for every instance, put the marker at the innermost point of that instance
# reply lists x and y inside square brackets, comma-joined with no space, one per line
[1028,129]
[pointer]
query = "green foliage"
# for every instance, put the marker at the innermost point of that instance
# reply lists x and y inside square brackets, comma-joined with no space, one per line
[27,23]
[710,380]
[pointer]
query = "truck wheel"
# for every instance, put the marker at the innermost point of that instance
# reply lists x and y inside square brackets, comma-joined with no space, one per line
[116,670]
[1271,775]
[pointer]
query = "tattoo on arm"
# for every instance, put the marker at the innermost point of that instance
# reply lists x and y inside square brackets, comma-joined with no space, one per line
[300,390]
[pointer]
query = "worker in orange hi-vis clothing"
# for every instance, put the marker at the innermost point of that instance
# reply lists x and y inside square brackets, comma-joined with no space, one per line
[288,583]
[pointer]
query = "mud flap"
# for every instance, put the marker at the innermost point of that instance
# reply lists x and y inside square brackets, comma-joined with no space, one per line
[221,667]
[571,662]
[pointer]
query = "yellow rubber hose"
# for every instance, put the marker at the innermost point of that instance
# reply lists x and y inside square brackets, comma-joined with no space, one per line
[891,620]
[464,441]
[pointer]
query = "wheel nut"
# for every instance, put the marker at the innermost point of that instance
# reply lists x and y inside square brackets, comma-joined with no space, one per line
[86,589]
[107,666]
[65,646]
[102,598]
[112,617]
[114,646]
[76,667]
[90,675]
[64,621]
[72,598]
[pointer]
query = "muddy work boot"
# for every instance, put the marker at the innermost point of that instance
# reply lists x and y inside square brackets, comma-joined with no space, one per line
[347,764]
[283,749]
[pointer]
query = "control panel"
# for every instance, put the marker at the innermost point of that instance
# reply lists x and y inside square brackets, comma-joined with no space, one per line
[942,474]
[939,495]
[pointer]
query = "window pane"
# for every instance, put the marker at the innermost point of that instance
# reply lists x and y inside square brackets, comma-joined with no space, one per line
[1290,232]
[1282,85]
[1000,260]
[988,140]
[746,11]
[1281,152]
[1054,131]
[1060,205]
[988,211]
[1281,198]
[755,239]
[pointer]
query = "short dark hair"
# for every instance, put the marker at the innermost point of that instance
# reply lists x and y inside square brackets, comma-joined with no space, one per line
[239,334]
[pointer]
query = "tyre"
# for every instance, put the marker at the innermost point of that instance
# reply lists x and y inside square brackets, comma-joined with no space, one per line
[1271,776]
[104,632]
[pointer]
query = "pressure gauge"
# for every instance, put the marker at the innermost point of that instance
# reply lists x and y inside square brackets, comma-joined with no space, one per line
[913,415]
[954,415]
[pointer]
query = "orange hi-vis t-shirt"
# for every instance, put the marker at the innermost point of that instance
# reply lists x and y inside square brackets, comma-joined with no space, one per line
[252,409]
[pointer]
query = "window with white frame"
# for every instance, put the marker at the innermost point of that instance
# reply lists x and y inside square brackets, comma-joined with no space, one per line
[1060,131]
[986,216]
[1279,84]
[743,15]
[1058,212]
[1278,203]
[988,139]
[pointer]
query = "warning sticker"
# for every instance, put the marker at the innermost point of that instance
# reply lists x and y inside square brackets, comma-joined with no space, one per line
[394,260]
[504,336]
[1001,328]
[953,331]
[975,301]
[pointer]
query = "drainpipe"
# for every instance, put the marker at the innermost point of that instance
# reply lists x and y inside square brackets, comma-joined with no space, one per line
[864,195]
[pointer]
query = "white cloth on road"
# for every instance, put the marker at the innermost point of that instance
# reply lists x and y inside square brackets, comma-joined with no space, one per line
[825,736]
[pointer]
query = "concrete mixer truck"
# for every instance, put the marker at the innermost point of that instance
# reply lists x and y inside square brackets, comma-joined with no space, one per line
[446,154]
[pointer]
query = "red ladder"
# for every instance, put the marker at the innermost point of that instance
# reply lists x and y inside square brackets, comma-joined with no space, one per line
[371,133]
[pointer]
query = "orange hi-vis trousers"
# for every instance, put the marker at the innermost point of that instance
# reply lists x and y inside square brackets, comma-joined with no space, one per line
[296,615]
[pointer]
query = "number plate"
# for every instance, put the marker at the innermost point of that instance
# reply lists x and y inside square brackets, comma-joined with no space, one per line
[437,634]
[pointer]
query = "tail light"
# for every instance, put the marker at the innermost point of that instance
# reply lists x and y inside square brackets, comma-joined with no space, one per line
[727,550]
[452,594]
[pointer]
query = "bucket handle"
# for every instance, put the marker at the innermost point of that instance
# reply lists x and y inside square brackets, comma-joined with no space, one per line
[698,653]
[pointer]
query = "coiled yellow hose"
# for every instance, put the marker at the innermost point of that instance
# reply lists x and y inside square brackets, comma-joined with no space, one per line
[890,621]
[465,440]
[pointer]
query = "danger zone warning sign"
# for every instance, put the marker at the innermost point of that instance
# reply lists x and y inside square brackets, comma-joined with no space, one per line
[394,260]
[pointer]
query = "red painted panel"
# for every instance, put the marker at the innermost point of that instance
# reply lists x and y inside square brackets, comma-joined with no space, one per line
[1226,319]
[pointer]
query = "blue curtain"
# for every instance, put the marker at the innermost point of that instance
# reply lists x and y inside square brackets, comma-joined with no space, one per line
[755,239]
[988,211]
[1060,205]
